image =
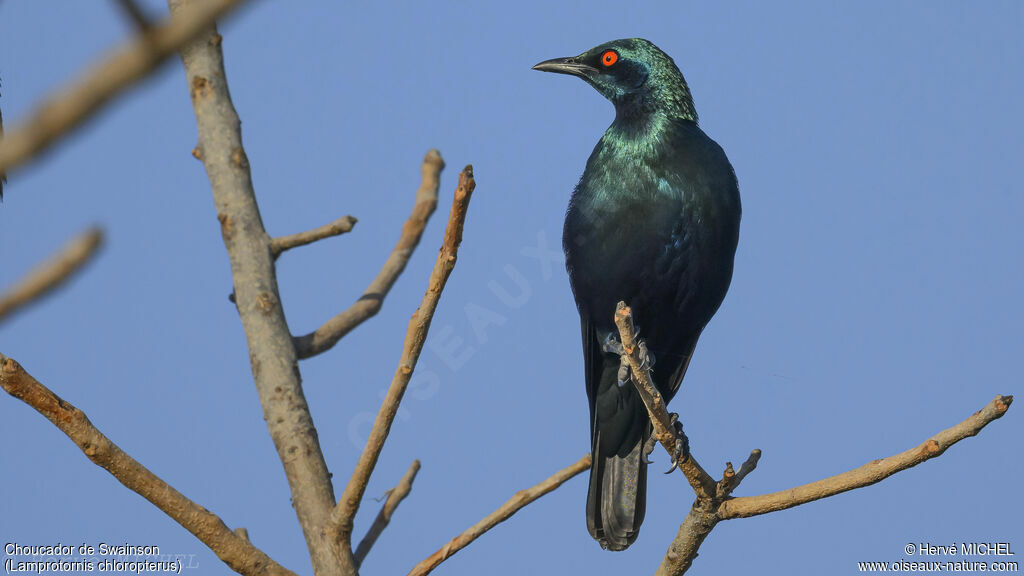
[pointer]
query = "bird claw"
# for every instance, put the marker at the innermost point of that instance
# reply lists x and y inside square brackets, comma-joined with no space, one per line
[681,453]
[648,448]
[624,374]
[611,345]
[646,356]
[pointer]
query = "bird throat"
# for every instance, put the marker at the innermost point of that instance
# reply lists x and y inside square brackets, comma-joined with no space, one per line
[647,114]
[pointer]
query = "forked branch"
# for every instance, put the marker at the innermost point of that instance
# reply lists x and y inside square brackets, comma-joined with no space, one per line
[272,358]
[714,502]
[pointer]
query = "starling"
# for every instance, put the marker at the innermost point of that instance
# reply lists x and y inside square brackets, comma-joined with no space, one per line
[654,221]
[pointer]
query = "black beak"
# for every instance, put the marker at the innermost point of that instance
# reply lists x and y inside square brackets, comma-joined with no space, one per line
[571,66]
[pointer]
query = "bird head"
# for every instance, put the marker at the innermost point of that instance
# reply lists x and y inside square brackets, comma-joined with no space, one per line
[634,74]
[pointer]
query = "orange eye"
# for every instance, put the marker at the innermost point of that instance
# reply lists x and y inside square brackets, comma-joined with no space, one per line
[609,58]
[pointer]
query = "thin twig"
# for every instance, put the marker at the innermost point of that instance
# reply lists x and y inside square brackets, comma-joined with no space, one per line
[70,105]
[52,273]
[870,473]
[342,516]
[3,173]
[327,335]
[136,14]
[516,503]
[731,479]
[336,228]
[395,497]
[235,551]
[272,359]
[702,483]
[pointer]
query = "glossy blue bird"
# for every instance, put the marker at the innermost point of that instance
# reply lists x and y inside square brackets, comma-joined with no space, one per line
[654,221]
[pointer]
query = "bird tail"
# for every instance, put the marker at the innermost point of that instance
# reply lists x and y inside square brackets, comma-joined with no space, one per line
[617,498]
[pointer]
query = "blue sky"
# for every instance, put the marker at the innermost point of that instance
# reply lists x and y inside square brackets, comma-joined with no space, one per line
[876,298]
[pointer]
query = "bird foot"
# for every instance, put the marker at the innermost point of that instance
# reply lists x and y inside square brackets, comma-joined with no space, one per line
[611,345]
[681,453]
[648,448]
[624,374]
[646,356]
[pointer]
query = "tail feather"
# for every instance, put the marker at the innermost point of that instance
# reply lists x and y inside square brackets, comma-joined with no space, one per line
[617,498]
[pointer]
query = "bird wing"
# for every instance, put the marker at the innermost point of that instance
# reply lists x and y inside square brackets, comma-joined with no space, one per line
[593,361]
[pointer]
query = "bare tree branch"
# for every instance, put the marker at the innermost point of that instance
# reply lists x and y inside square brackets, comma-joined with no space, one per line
[714,504]
[700,480]
[702,519]
[72,104]
[327,335]
[337,228]
[341,518]
[52,273]
[699,522]
[236,552]
[395,497]
[731,479]
[136,14]
[868,474]
[271,352]
[516,503]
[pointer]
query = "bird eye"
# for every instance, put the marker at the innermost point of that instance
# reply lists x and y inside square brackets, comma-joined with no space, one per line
[609,58]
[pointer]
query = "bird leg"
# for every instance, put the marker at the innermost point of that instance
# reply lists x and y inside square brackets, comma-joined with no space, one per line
[624,373]
[682,449]
[611,345]
[646,356]
[649,445]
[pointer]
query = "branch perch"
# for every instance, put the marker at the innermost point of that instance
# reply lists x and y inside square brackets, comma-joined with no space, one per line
[700,521]
[395,497]
[868,474]
[51,274]
[514,504]
[337,228]
[235,551]
[72,104]
[700,480]
[714,503]
[340,525]
[367,306]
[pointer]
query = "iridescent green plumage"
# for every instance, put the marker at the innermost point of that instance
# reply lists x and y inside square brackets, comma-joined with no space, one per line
[654,221]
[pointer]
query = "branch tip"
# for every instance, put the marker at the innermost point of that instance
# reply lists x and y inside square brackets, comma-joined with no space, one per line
[338,227]
[393,498]
[231,548]
[72,104]
[339,525]
[367,306]
[54,272]
[517,502]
